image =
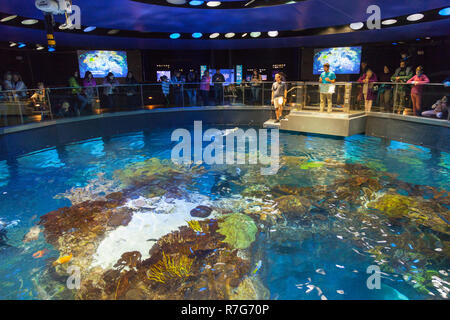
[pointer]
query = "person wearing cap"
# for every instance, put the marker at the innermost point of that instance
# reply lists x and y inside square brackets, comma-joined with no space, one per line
[326,90]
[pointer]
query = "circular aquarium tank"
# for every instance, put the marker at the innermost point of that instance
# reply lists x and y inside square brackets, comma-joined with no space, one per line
[115,218]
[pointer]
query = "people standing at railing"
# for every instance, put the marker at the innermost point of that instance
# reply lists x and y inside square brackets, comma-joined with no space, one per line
[218,80]
[89,85]
[8,85]
[385,90]
[79,100]
[256,87]
[367,89]
[326,79]
[131,90]
[192,80]
[19,87]
[110,85]
[279,96]
[401,75]
[417,90]
[205,88]
[165,87]
[177,84]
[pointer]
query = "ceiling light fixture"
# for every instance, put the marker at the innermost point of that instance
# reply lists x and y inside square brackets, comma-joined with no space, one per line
[8,18]
[197,35]
[415,17]
[214,35]
[272,34]
[445,12]
[175,36]
[388,22]
[230,35]
[255,34]
[213,4]
[356,25]
[89,29]
[29,22]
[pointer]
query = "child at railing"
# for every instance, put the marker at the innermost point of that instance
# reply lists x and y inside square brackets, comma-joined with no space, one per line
[438,109]
[367,89]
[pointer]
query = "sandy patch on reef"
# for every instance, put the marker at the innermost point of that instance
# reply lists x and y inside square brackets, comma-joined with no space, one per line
[150,223]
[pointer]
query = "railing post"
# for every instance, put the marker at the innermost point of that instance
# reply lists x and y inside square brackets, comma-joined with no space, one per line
[49,104]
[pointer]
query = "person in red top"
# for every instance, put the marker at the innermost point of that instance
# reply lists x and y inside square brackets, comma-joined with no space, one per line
[416,91]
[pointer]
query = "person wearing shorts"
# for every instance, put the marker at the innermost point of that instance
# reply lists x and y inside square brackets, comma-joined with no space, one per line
[279,93]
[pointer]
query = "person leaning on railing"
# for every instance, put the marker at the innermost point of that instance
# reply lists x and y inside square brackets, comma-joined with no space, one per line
[110,85]
[417,90]
[205,86]
[165,87]
[385,90]
[79,100]
[401,75]
[89,85]
[367,80]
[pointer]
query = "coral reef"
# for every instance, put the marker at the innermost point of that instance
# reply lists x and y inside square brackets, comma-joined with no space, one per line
[239,230]
[251,288]
[169,268]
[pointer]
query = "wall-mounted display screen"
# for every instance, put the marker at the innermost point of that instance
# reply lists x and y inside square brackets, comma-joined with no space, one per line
[227,73]
[344,60]
[159,74]
[100,63]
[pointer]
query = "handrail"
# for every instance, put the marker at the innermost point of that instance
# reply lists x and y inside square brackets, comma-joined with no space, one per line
[199,83]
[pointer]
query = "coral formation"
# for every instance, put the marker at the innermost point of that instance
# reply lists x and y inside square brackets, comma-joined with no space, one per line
[239,230]
[169,268]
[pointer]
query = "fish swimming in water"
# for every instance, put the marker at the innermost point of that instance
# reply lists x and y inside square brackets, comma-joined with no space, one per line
[62,260]
[39,254]
[258,266]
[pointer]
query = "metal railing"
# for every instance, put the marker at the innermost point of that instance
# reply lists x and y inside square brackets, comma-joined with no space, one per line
[20,107]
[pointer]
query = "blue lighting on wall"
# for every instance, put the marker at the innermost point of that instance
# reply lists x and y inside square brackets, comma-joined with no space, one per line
[197,35]
[51,49]
[445,12]
[22,45]
[196,3]
[175,36]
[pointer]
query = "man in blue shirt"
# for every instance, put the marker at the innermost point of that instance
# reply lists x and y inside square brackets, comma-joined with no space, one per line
[327,78]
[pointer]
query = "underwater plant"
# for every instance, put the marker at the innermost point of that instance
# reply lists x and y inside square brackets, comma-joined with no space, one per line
[394,206]
[170,268]
[195,225]
[239,230]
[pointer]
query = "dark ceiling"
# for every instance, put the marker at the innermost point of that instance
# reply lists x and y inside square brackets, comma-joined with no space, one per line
[128,16]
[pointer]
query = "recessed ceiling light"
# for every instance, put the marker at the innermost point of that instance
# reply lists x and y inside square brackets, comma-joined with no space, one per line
[51,49]
[445,12]
[388,22]
[230,35]
[113,31]
[22,45]
[39,47]
[175,36]
[428,38]
[255,34]
[12,44]
[196,3]
[244,35]
[415,17]
[197,35]
[272,34]
[213,3]
[89,29]
[214,35]
[28,22]
[178,2]
[8,18]
[356,25]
